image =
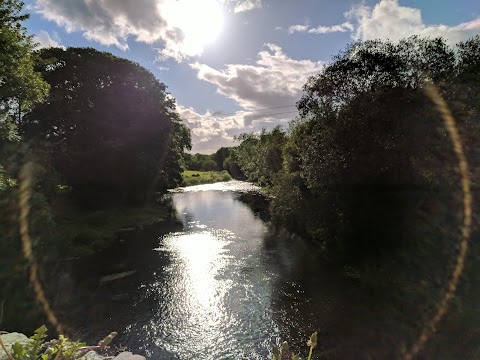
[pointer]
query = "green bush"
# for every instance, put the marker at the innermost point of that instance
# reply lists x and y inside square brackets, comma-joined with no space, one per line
[38,349]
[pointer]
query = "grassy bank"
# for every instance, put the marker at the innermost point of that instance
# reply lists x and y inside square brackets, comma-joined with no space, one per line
[191,177]
[90,231]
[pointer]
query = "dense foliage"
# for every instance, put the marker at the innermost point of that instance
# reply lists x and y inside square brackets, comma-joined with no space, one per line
[20,85]
[100,138]
[367,142]
[260,155]
[369,178]
[109,122]
[224,158]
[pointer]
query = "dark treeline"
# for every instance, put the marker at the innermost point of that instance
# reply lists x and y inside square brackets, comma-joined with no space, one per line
[367,175]
[98,140]
[92,132]
[367,137]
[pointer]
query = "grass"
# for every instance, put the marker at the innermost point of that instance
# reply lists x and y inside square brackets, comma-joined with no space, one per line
[90,231]
[191,177]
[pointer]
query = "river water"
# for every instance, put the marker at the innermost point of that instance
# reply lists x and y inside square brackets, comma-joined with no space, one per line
[219,283]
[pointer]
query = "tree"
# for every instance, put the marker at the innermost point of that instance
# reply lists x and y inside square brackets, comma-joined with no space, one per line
[369,141]
[112,124]
[20,85]
[260,156]
[220,156]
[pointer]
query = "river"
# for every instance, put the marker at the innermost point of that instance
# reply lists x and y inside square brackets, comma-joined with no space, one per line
[208,286]
[220,283]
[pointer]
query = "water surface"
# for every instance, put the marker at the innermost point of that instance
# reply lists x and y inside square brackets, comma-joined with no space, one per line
[219,283]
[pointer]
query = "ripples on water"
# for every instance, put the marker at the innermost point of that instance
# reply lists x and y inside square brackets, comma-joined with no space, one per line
[214,296]
[233,185]
[222,284]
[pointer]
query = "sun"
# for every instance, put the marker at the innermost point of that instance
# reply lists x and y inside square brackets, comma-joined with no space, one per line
[200,21]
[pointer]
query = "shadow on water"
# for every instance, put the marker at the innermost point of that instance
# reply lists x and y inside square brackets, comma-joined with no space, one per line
[98,294]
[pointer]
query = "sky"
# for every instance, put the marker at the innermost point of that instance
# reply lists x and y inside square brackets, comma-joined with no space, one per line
[238,66]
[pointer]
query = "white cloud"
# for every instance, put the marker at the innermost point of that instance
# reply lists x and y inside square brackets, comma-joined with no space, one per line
[389,20]
[182,27]
[247,5]
[44,40]
[211,130]
[112,22]
[297,28]
[274,80]
[345,27]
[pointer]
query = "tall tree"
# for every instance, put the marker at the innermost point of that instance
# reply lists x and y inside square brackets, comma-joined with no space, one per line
[368,140]
[260,156]
[20,85]
[112,124]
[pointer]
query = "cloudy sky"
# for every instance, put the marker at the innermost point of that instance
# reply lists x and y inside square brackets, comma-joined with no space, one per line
[239,65]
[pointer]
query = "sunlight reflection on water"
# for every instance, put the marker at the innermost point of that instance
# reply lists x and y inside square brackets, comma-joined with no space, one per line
[232,185]
[214,295]
[196,293]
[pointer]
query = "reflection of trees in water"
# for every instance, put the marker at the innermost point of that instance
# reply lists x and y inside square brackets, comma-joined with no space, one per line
[257,203]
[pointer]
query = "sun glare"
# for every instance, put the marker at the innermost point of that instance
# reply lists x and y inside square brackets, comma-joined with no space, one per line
[200,21]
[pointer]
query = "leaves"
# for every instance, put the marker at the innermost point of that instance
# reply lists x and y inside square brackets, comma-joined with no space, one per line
[111,124]
[37,349]
[260,156]
[283,353]
[312,342]
[21,85]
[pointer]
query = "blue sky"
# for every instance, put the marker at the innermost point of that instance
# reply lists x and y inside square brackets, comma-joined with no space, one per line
[223,60]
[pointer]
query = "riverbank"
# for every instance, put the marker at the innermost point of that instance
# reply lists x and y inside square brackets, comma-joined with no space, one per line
[59,234]
[192,177]
[91,231]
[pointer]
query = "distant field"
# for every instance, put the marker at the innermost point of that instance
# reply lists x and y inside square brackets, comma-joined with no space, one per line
[191,177]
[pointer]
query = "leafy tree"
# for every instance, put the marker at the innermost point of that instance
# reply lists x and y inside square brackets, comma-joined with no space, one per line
[180,139]
[20,85]
[111,123]
[367,143]
[231,165]
[220,156]
[226,159]
[260,156]
[201,162]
